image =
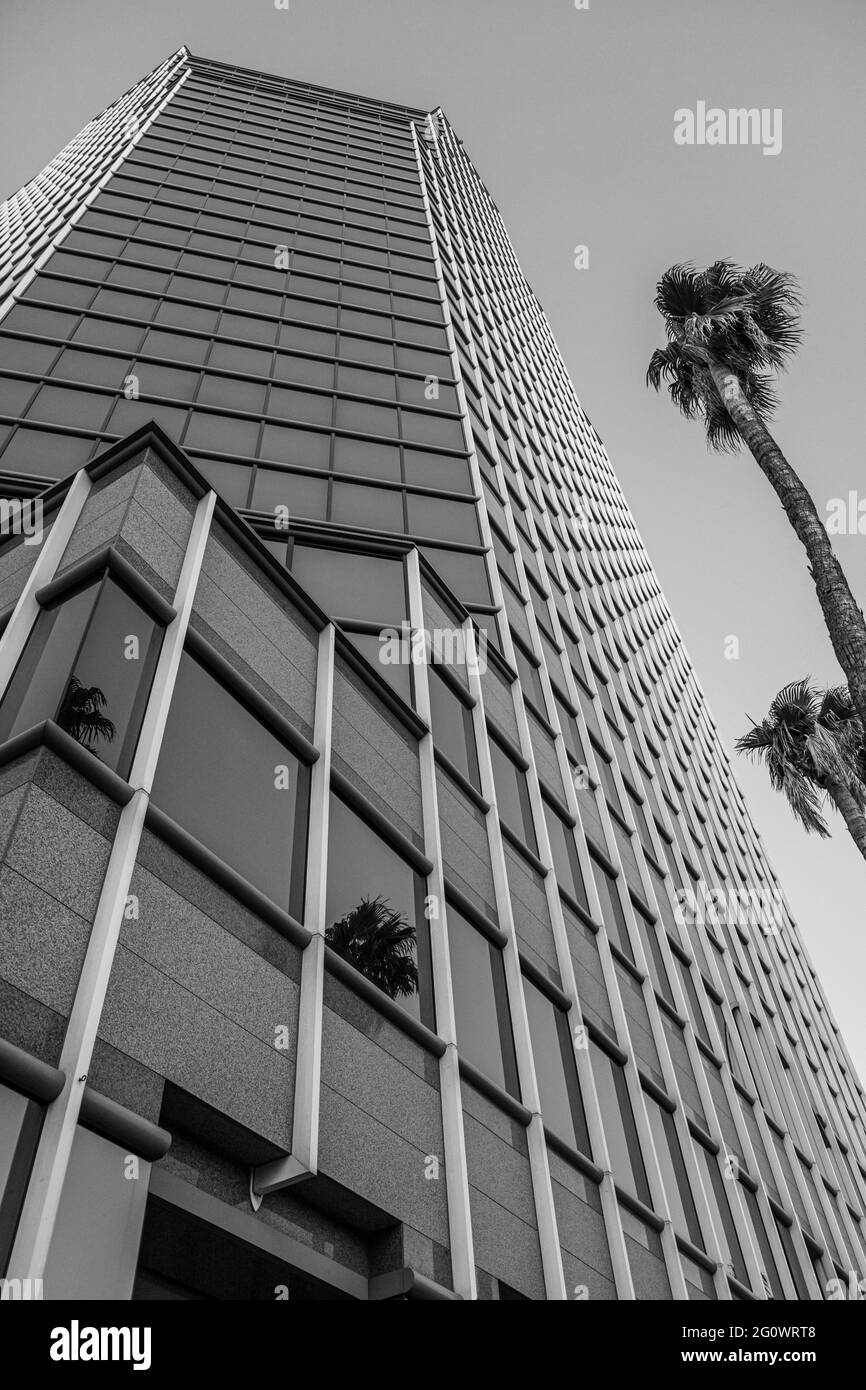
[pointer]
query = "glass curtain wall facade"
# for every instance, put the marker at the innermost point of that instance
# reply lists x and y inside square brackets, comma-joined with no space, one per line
[314,297]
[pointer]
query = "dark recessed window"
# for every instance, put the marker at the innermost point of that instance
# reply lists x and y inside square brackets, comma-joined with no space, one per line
[375,912]
[512,795]
[88,666]
[231,782]
[453,731]
[184,1258]
[482,1016]
[555,1069]
[619,1126]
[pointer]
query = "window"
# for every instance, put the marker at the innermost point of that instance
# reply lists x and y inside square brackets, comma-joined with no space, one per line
[95,1242]
[20,1123]
[512,795]
[362,870]
[611,908]
[673,1170]
[619,1125]
[359,456]
[694,1006]
[790,1253]
[88,666]
[652,947]
[770,1272]
[352,585]
[555,1068]
[442,519]
[453,732]
[482,1016]
[723,1221]
[464,573]
[300,494]
[563,850]
[225,777]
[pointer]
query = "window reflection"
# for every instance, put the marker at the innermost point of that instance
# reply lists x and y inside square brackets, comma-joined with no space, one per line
[88,666]
[375,912]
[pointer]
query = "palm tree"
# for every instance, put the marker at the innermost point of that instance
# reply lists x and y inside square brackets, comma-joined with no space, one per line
[380,943]
[80,714]
[812,744]
[729,331]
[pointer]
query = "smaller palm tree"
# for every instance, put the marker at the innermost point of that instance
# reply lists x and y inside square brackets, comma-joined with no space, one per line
[812,744]
[80,715]
[380,943]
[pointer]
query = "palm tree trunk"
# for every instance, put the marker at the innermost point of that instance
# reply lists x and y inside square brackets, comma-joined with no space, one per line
[842,615]
[853,814]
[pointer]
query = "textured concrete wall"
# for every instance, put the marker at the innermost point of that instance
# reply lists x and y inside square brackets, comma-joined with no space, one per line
[257,629]
[465,848]
[646,1262]
[375,753]
[101,516]
[57,839]
[500,1194]
[583,1243]
[198,991]
[146,512]
[381,1121]
[531,917]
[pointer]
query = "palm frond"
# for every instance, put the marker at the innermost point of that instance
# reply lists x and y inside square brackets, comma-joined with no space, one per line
[746,321]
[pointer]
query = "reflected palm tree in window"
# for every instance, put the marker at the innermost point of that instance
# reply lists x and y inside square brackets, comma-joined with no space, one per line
[81,715]
[380,943]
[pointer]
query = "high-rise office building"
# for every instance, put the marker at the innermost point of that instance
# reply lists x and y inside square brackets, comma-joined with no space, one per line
[379,915]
